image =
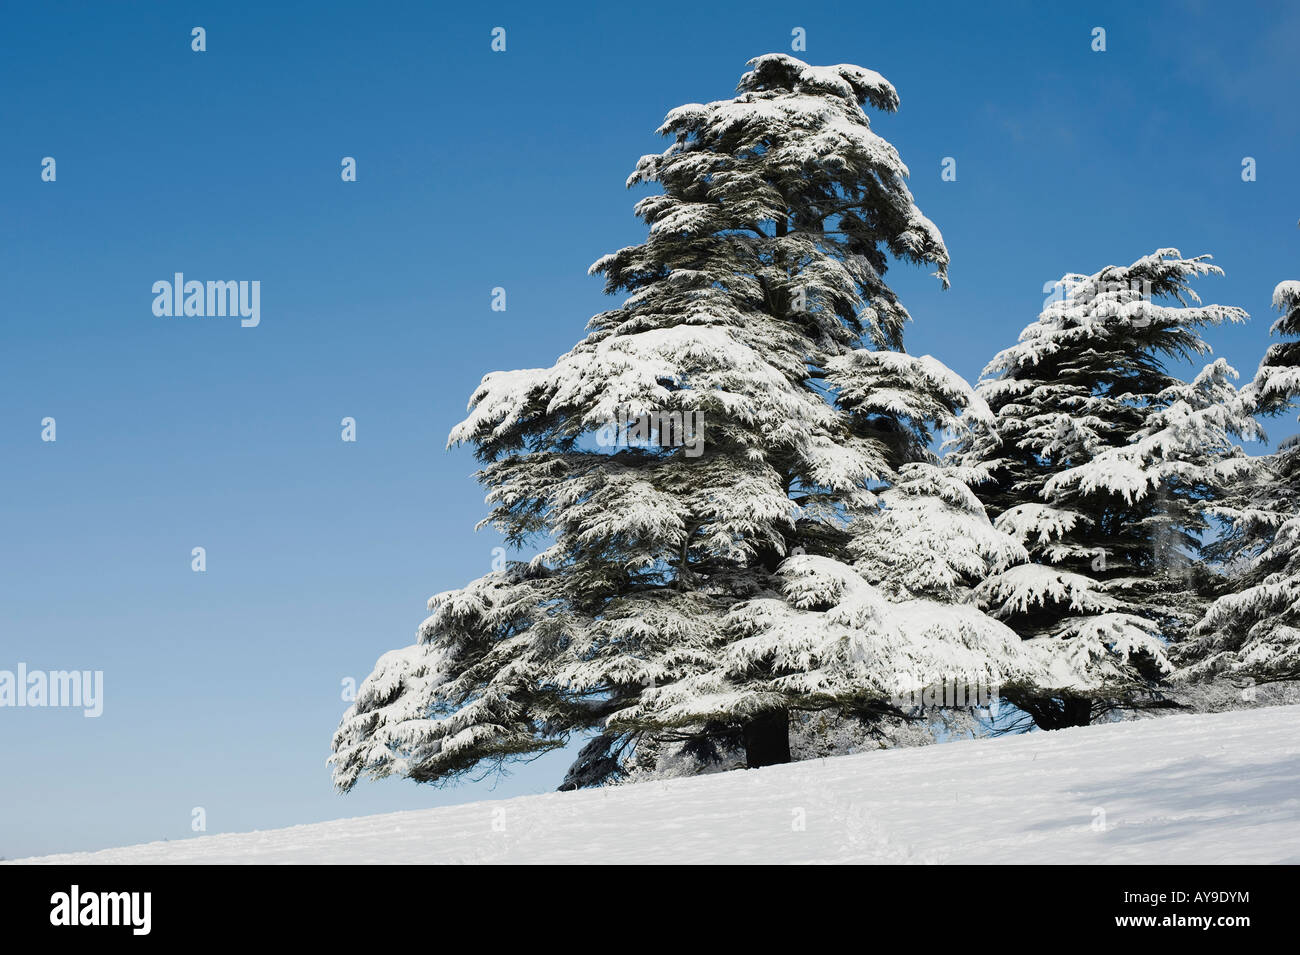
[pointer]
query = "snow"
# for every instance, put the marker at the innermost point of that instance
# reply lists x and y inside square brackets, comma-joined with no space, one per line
[1198,789]
[1286,294]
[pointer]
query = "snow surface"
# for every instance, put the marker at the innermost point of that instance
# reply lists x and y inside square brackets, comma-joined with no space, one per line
[1218,788]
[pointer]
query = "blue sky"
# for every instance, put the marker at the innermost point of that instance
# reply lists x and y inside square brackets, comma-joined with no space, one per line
[475,170]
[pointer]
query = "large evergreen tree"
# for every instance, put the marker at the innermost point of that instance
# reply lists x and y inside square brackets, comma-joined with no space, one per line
[1252,631]
[1103,463]
[697,594]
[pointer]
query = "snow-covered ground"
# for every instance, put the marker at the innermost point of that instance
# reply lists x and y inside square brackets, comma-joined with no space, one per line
[1184,789]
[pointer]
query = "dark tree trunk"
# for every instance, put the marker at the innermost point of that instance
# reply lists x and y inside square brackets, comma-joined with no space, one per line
[1077,712]
[767,739]
[1057,713]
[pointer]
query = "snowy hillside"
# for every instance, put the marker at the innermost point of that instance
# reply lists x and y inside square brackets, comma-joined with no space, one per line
[1186,789]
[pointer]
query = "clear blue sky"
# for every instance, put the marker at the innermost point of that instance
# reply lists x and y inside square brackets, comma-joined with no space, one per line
[475,170]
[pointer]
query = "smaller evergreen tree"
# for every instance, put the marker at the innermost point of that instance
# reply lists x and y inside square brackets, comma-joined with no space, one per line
[1183,460]
[1252,631]
[1101,463]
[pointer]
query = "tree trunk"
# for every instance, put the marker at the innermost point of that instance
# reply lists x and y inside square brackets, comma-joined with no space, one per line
[1078,712]
[1057,713]
[767,739]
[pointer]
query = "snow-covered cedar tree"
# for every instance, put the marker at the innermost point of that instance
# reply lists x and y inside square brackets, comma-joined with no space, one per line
[1252,631]
[698,579]
[1102,465]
